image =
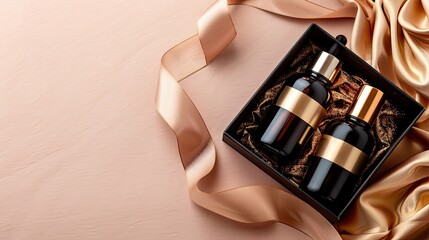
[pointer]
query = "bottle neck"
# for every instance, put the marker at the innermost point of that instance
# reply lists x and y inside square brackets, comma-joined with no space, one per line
[322,79]
[359,122]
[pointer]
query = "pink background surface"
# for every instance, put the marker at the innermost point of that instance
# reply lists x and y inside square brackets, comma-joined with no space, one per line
[84,155]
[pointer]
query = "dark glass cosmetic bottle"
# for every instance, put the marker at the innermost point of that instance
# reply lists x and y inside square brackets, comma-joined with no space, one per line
[300,105]
[343,151]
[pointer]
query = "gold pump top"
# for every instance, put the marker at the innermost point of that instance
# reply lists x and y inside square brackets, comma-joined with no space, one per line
[367,104]
[326,65]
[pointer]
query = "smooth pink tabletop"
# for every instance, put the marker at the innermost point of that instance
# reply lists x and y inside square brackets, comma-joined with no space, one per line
[83,152]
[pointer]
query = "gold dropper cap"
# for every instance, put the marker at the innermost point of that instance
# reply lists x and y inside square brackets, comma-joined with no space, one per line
[326,65]
[367,104]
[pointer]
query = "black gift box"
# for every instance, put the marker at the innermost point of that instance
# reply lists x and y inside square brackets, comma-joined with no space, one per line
[353,65]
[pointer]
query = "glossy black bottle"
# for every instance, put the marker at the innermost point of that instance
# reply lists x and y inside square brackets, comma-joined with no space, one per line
[343,152]
[290,121]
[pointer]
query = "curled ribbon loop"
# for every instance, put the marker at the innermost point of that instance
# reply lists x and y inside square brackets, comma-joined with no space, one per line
[196,147]
[215,29]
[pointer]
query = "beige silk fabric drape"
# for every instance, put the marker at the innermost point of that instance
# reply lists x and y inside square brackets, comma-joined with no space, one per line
[392,35]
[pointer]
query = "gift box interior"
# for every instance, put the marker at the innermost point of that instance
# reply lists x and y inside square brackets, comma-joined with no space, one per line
[398,113]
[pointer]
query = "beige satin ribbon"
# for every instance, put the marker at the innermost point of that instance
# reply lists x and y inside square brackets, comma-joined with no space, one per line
[197,151]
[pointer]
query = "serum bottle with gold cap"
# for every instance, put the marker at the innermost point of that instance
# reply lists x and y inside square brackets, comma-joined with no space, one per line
[343,151]
[301,104]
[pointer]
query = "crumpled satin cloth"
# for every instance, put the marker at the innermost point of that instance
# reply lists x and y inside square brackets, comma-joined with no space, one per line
[393,35]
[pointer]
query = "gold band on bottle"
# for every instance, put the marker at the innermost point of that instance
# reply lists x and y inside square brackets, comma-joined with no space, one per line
[303,106]
[341,153]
